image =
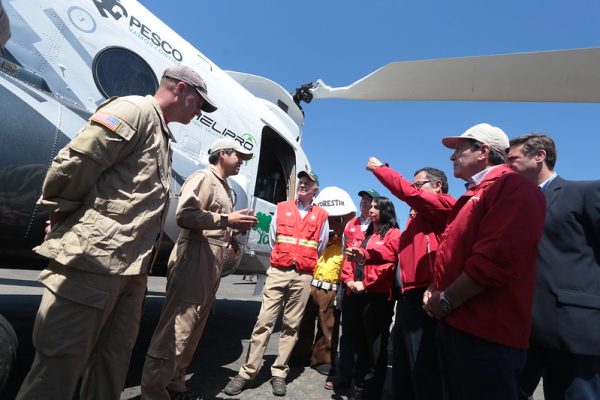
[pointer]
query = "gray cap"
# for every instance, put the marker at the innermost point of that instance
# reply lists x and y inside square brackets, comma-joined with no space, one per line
[228,143]
[191,77]
[484,133]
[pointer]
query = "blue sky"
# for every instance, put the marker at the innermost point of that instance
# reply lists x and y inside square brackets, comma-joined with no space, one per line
[341,41]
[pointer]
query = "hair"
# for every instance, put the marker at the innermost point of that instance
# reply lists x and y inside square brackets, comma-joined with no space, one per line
[166,81]
[496,157]
[434,175]
[170,83]
[387,216]
[534,142]
[213,158]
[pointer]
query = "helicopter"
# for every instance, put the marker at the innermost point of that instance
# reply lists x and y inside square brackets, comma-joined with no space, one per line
[65,58]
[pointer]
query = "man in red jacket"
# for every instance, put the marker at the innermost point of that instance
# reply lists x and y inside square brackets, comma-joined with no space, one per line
[415,361]
[484,271]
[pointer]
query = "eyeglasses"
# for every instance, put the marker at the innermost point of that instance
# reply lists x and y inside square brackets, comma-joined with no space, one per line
[420,183]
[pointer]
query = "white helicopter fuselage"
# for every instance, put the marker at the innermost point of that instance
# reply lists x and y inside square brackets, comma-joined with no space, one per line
[65,58]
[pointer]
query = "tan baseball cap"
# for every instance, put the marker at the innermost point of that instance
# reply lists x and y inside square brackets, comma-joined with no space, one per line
[191,77]
[228,143]
[484,133]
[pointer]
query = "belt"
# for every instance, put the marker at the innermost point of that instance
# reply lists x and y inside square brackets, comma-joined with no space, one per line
[324,285]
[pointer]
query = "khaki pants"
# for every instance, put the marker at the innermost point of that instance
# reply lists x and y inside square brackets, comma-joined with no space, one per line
[287,289]
[86,325]
[193,279]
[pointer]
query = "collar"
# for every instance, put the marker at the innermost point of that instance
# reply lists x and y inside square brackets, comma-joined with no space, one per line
[544,185]
[162,118]
[302,208]
[479,177]
[213,169]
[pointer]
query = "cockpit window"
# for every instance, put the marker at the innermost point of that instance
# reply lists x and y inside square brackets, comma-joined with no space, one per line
[120,72]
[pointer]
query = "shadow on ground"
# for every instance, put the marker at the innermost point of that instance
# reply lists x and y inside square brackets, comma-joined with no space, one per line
[230,322]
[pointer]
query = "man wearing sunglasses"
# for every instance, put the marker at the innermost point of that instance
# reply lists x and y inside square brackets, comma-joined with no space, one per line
[415,367]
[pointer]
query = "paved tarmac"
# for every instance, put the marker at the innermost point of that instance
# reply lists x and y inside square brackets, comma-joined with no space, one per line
[219,355]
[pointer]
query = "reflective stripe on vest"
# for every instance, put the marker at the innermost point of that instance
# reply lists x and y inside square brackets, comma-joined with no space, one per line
[292,240]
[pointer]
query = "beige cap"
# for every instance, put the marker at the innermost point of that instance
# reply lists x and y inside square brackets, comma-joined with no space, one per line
[191,77]
[484,133]
[228,143]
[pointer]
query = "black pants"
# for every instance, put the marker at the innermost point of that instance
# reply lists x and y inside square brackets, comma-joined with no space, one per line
[345,364]
[415,362]
[371,317]
[477,369]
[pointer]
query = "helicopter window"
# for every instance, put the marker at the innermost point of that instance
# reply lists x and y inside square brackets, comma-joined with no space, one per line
[276,165]
[119,71]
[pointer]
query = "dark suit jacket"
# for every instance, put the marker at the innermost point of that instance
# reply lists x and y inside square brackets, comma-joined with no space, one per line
[566,310]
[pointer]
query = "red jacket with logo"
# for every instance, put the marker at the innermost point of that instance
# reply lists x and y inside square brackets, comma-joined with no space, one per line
[381,254]
[352,229]
[420,238]
[297,238]
[492,236]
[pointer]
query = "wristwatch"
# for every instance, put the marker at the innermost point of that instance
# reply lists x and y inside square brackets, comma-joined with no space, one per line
[224,220]
[445,303]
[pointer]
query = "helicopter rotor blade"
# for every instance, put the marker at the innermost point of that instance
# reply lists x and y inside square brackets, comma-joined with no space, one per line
[549,76]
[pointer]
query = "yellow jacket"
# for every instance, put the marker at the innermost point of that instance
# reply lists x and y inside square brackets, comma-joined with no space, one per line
[329,264]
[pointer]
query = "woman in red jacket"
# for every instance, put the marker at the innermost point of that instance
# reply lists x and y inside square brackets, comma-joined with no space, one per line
[369,277]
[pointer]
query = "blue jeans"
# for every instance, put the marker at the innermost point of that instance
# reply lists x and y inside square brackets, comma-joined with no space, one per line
[566,376]
[477,369]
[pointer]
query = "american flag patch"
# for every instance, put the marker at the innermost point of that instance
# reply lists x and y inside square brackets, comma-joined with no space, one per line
[109,121]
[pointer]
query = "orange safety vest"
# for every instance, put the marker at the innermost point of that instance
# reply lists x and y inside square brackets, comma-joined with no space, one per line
[297,238]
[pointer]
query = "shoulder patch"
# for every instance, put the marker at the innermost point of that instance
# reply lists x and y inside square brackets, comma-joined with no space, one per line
[109,121]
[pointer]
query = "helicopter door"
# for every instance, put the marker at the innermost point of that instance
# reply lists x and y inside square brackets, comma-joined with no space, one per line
[276,168]
[274,183]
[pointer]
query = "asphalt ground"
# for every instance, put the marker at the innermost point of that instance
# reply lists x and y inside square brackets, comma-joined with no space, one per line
[219,355]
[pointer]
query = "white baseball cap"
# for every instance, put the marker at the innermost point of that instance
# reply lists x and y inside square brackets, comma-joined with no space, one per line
[484,133]
[228,143]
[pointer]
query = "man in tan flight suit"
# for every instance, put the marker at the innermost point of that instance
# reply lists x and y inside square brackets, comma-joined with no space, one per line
[205,212]
[4,28]
[107,192]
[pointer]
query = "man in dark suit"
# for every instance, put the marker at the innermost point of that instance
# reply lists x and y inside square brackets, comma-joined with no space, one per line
[565,338]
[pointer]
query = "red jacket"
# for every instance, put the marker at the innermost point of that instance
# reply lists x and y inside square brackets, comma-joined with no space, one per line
[420,238]
[297,238]
[351,231]
[381,259]
[492,236]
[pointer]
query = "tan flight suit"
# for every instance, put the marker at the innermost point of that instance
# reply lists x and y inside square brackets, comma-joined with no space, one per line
[193,278]
[113,181]
[4,27]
